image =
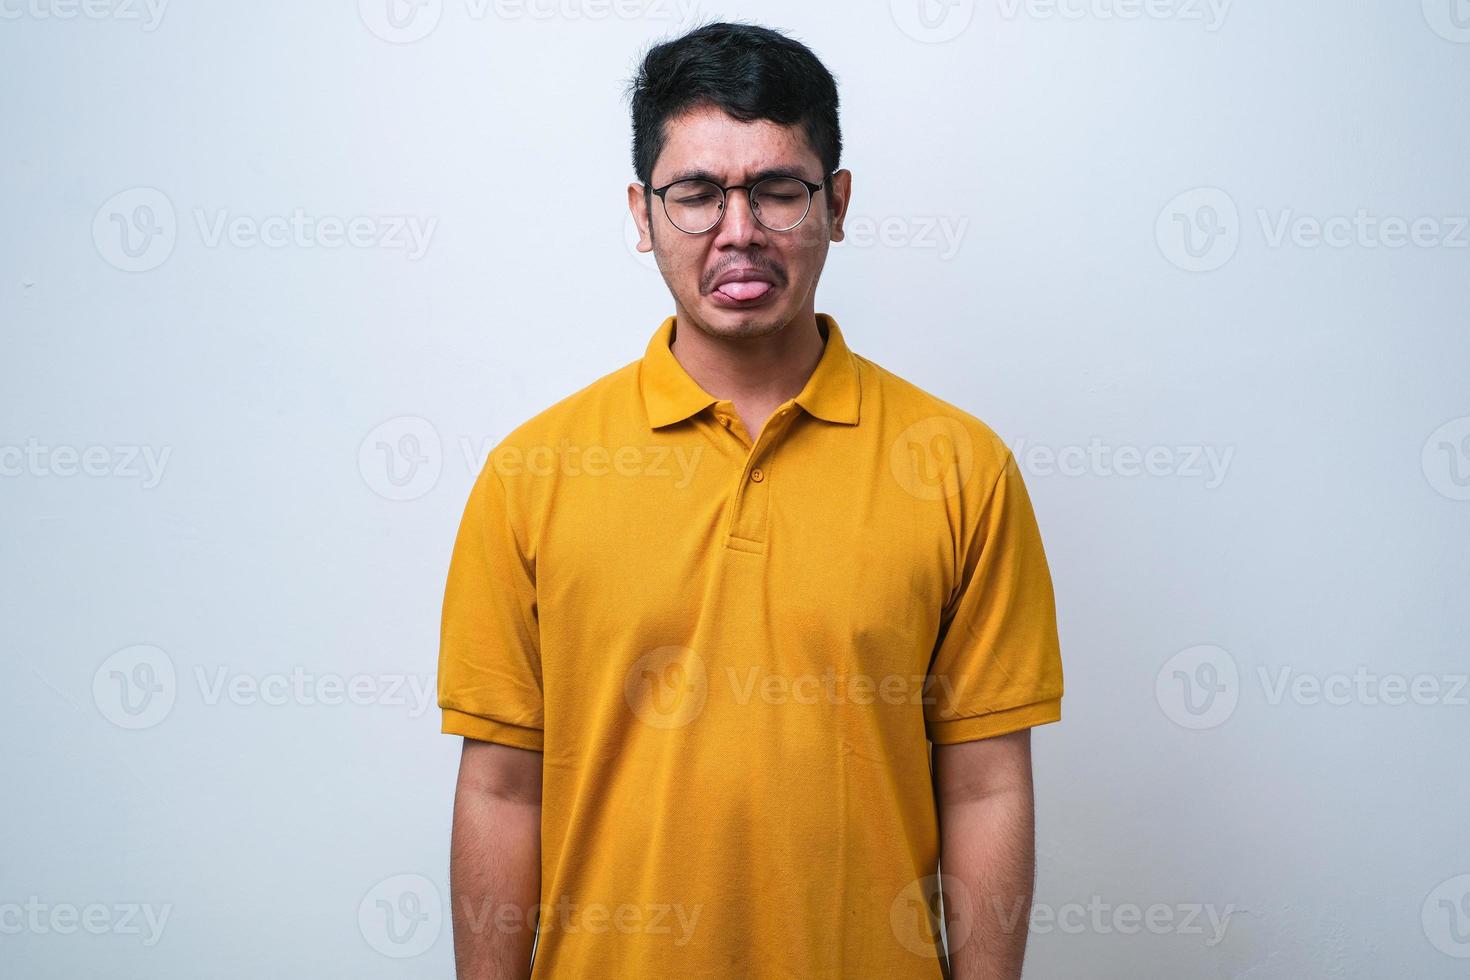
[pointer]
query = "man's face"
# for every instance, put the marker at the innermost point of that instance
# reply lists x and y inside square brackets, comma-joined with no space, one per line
[707,142]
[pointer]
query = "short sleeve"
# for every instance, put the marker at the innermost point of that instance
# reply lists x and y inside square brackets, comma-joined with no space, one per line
[997,664]
[489,645]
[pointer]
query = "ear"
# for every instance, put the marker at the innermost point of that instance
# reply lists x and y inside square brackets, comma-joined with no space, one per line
[638,204]
[841,193]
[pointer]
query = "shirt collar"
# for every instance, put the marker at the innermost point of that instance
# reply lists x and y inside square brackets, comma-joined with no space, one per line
[670,395]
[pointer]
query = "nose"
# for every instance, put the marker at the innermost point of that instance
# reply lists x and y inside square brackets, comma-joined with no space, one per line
[738,227]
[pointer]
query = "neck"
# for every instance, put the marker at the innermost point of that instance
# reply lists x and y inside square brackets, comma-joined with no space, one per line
[762,370]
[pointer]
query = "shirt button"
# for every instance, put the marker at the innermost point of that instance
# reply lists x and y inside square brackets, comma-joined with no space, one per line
[724,420]
[757,475]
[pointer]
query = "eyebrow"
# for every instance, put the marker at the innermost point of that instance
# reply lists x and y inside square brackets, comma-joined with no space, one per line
[697,173]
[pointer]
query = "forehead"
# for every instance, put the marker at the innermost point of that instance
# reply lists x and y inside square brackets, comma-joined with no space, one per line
[706,139]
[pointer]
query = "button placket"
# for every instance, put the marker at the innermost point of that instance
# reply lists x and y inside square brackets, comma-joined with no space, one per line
[726,417]
[751,502]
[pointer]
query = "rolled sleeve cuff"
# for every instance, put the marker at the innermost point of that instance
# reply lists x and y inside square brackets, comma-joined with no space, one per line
[489,730]
[994,723]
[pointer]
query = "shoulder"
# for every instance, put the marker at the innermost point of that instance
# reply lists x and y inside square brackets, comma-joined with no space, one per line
[607,408]
[520,472]
[913,420]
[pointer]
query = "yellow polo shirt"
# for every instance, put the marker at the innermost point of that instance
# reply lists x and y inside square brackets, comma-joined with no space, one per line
[733,655]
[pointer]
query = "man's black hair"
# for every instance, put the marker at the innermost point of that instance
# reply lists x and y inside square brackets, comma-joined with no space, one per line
[748,71]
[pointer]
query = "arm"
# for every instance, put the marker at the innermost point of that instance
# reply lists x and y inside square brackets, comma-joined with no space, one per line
[495,861]
[987,852]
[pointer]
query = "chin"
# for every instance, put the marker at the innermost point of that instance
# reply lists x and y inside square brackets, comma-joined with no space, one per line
[721,322]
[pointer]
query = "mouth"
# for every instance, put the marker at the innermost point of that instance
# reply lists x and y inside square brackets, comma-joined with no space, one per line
[743,289]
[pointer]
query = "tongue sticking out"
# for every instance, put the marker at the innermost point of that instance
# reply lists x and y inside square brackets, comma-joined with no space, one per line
[745,290]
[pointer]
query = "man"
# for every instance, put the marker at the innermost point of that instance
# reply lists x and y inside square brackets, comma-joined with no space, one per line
[706,616]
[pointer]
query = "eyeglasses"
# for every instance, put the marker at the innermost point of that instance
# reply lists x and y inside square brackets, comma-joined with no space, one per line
[779,203]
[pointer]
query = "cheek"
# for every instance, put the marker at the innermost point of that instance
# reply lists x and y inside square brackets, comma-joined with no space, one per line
[802,263]
[813,235]
[679,262]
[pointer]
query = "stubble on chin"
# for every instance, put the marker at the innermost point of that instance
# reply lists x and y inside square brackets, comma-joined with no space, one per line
[742,327]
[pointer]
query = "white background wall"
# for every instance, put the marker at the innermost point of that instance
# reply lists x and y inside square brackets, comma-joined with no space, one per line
[1018,248]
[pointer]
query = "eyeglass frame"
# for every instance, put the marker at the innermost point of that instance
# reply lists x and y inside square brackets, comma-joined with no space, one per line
[811,190]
